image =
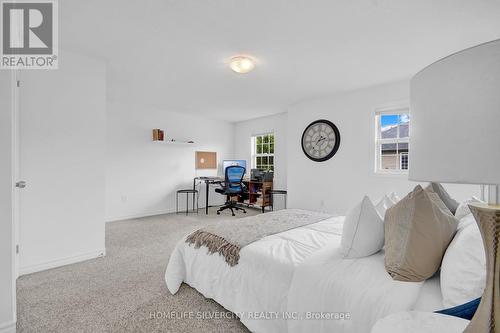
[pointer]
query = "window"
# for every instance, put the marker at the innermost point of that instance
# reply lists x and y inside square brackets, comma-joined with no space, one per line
[392,140]
[263,152]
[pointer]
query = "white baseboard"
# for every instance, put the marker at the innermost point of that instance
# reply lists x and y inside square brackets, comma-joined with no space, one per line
[61,262]
[136,216]
[154,213]
[9,327]
[146,214]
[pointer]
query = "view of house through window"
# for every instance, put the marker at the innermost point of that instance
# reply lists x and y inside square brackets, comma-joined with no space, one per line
[392,138]
[263,152]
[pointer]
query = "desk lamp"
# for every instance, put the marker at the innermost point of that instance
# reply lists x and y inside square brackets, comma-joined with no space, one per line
[455,138]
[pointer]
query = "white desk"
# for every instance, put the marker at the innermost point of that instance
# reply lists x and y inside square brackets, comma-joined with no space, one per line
[208,181]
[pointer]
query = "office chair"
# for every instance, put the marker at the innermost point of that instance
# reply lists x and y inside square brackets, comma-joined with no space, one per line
[233,185]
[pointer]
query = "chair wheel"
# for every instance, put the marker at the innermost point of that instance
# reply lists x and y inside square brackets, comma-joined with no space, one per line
[233,214]
[218,213]
[244,212]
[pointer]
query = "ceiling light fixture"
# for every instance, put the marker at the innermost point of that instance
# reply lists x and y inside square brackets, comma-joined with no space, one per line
[242,64]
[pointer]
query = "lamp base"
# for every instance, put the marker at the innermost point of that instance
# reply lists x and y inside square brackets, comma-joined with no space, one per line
[487,317]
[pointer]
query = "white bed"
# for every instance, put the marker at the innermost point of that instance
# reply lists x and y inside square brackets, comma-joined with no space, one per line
[293,273]
[430,297]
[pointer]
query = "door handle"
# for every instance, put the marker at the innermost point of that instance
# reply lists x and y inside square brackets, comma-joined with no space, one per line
[21,184]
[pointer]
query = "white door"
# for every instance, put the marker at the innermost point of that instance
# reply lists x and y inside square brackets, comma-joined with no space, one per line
[61,159]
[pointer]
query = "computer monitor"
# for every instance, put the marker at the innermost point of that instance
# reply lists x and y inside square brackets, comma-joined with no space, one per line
[227,163]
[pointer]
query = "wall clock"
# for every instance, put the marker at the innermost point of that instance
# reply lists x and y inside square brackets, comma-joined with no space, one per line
[320,140]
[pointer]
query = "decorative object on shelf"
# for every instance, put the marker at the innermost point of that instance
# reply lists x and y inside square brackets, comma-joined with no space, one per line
[159,136]
[320,140]
[206,160]
[455,102]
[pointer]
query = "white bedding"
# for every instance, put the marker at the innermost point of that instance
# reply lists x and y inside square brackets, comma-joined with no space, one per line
[261,280]
[360,288]
[291,273]
[430,297]
[421,322]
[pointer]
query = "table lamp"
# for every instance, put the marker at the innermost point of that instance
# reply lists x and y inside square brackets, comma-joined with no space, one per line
[455,138]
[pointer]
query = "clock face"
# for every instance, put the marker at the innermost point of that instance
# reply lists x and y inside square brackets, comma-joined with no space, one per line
[320,140]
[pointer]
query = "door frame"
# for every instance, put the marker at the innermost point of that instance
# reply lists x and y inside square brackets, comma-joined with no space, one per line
[15,166]
[12,95]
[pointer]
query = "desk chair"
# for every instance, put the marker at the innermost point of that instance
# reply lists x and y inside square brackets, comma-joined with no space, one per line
[233,185]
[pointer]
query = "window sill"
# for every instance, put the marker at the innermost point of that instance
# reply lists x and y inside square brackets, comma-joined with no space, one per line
[401,174]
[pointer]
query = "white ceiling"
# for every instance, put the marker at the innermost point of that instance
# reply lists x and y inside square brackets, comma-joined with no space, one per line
[173,54]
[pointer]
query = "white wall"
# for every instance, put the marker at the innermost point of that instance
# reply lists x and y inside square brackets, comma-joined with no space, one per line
[7,284]
[62,145]
[276,124]
[339,183]
[142,176]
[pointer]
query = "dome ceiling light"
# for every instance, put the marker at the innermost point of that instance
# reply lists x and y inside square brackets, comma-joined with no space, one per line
[242,64]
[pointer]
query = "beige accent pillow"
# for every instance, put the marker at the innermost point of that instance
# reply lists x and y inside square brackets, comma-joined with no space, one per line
[418,230]
[451,203]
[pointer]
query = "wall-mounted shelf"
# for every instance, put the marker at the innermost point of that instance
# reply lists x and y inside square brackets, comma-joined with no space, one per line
[174,142]
[159,136]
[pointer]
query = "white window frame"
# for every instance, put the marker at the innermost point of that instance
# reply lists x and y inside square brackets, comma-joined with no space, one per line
[254,151]
[392,110]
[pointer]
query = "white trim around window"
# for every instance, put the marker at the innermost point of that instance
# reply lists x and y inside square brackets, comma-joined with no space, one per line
[396,163]
[266,154]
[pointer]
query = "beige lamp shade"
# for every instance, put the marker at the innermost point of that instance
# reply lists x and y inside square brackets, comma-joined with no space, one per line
[455,118]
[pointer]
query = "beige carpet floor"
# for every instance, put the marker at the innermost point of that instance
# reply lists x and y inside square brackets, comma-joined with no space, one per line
[119,293]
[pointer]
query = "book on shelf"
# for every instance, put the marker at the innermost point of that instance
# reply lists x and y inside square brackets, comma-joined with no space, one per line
[158,135]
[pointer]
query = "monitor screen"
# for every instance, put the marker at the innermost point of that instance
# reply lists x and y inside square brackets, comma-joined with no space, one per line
[227,163]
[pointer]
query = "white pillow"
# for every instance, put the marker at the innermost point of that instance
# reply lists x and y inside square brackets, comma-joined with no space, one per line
[394,197]
[384,204]
[363,233]
[463,270]
[463,208]
[466,221]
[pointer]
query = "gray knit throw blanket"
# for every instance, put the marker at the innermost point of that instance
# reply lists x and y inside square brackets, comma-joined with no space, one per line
[228,237]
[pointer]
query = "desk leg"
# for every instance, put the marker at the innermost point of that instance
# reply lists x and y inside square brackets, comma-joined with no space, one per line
[194,194]
[207,185]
